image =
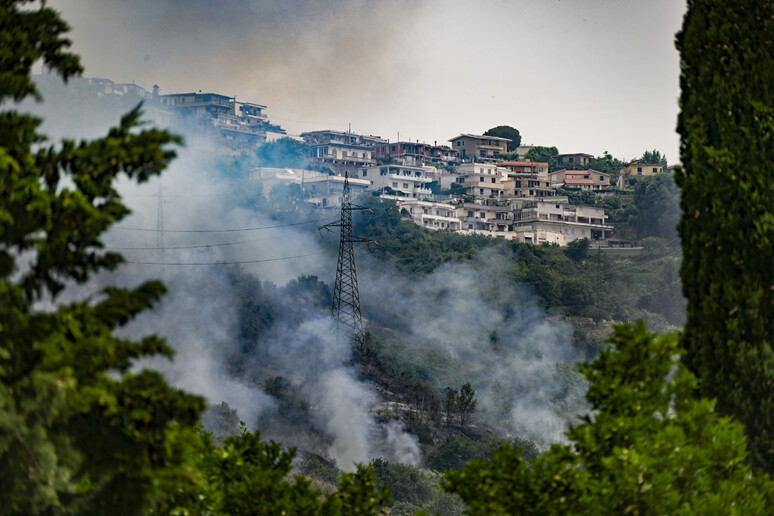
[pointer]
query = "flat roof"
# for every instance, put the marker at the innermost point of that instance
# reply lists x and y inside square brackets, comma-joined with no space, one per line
[526,163]
[481,137]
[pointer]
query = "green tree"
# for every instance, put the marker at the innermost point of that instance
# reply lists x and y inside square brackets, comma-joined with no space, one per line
[651,447]
[606,163]
[75,436]
[727,228]
[654,157]
[285,152]
[548,155]
[79,433]
[249,477]
[506,131]
[466,402]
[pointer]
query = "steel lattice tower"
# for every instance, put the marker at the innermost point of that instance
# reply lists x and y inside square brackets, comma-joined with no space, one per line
[346,298]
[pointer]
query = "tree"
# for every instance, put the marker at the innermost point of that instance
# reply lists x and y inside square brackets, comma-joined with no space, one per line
[654,157]
[285,152]
[506,131]
[75,437]
[727,193]
[80,433]
[466,402]
[548,155]
[651,447]
[249,477]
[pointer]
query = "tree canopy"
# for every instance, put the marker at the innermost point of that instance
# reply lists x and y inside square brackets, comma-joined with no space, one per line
[548,155]
[727,228]
[80,432]
[506,131]
[651,447]
[654,157]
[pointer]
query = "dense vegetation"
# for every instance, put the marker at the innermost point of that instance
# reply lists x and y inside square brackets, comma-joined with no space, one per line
[651,447]
[80,433]
[577,281]
[727,228]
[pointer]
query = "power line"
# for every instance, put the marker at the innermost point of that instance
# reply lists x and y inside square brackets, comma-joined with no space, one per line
[202,246]
[217,230]
[227,263]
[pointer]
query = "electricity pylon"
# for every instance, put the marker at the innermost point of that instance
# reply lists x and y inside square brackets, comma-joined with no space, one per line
[346,297]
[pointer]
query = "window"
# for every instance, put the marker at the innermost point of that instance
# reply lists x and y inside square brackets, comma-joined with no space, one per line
[571,159]
[365,173]
[393,147]
[405,185]
[480,179]
[382,172]
[481,170]
[343,154]
[493,180]
[470,213]
[655,170]
[395,184]
[639,171]
[482,191]
[481,215]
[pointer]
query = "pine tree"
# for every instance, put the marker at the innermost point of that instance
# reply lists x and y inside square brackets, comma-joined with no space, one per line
[727,228]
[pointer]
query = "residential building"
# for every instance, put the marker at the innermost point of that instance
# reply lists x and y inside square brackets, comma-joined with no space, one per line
[553,222]
[341,151]
[481,148]
[269,177]
[638,168]
[415,153]
[575,160]
[240,124]
[432,215]
[326,191]
[530,178]
[398,181]
[481,179]
[583,179]
[495,221]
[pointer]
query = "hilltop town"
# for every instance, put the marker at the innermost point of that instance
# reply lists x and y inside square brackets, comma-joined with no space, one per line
[476,184]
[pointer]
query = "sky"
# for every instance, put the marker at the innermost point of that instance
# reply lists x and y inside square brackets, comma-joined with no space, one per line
[582,75]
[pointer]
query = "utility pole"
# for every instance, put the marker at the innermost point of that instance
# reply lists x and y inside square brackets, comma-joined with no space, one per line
[346,297]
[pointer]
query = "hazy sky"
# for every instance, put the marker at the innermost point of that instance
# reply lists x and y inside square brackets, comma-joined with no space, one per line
[584,75]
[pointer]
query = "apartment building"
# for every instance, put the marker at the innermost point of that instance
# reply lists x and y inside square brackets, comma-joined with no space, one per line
[481,148]
[530,178]
[432,215]
[398,181]
[415,153]
[482,179]
[582,179]
[326,191]
[578,159]
[238,123]
[554,222]
[341,151]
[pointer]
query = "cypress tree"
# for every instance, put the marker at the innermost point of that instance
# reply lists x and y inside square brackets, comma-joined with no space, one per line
[727,228]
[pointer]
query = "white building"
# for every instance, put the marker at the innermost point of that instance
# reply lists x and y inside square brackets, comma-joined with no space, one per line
[432,215]
[399,181]
[326,191]
[551,221]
